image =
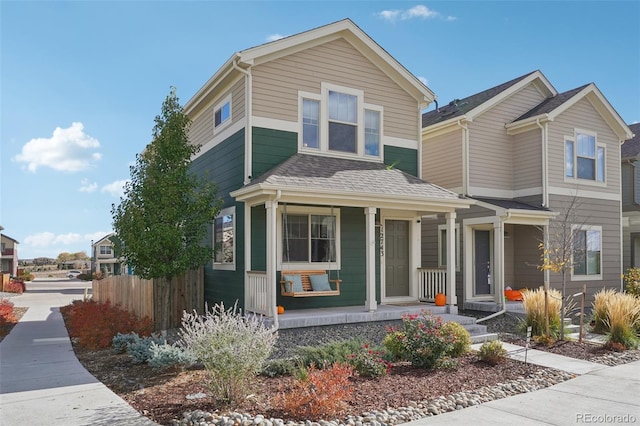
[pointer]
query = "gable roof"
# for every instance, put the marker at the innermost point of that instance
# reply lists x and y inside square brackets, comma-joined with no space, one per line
[473,105]
[346,29]
[631,147]
[551,108]
[9,238]
[352,182]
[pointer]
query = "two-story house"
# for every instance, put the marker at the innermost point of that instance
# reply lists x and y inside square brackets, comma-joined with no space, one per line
[9,254]
[104,257]
[528,155]
[314,143]
[630,156]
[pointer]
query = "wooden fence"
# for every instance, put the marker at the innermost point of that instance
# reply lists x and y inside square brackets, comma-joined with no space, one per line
[147,297]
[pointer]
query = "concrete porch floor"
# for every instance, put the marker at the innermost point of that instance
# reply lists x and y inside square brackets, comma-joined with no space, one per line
[490,306]
[354,314]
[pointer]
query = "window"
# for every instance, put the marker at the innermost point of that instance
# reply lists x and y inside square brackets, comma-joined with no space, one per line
[587,246]
[372,132]
[310,123]
[105,249]
[310,236]
[222,114]
[442,246]
[224,239]
[337,120]
[584,158]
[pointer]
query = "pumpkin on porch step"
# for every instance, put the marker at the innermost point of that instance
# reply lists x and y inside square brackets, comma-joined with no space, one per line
[440,299]
[280,309]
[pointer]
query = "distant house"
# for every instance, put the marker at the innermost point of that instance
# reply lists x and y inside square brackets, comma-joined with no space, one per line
[9,254]
[630,156]
[525,152]
[105,259]
[314,142]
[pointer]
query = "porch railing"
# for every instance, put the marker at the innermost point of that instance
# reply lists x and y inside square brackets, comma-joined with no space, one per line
[431,282]
[255,295]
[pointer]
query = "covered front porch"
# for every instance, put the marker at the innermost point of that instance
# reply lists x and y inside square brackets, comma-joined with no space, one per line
[358,221]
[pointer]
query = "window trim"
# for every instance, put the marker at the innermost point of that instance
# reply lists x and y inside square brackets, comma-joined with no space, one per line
[105,246]
[308,210]
[225,123]
[595,277]
[575,179]
[226,266]
[457,238]
[323,145]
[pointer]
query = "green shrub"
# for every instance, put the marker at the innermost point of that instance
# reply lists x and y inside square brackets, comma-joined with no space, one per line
[632,281]
[165,355]
[121,340]
[279,367]
[369,362]
[492,352]
[329,353]
[459,336]
[393,342]
[233,348]
[424,340]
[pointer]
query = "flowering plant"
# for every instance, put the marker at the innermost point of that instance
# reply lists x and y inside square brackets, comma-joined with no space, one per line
[369,362]
[425,342]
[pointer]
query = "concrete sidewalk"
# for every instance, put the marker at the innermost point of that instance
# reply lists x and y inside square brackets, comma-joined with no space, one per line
[41,380]
[600,395]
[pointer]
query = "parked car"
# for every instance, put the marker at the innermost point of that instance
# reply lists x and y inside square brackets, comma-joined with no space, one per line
[73,274]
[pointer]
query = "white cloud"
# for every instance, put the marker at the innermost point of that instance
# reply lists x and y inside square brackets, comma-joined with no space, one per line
[423,80]
[116,188]
[416,12]
[274,37]
[49,244]
[46,239]
[85,186]
[68,150]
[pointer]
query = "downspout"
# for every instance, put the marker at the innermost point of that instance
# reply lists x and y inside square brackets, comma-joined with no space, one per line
[545,190]
[503,304]
[465,157]
[248,132]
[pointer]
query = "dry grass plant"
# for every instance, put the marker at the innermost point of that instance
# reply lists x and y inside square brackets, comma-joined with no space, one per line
[533,304]
[622,319]
[601,302]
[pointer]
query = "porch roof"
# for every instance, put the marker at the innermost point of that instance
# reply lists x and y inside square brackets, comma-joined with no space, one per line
[328,180]
[517,212]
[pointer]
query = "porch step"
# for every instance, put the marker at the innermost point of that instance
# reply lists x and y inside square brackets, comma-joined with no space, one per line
[482,338]
[477,331]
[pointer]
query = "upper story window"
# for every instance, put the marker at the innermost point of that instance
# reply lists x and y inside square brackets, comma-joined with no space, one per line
[584,157]
[338,120]
[105,249]
[224,239]
[222,114]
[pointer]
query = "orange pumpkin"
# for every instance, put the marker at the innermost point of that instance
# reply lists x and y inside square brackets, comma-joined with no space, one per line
[441,299]
[280,309]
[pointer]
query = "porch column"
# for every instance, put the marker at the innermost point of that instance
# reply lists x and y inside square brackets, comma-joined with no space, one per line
[370,303]
[452,299]
[498,262]
[272,209]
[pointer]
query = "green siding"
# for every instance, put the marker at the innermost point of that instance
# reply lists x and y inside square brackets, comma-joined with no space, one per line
[404,159]
[258,238]
[224,165]
[271,147]
[353,271]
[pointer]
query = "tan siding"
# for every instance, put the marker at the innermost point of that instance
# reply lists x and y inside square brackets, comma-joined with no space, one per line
[276,85]
[527,160]
[584,117]
[201,130]
[592,211]
[490,148]
[442,160]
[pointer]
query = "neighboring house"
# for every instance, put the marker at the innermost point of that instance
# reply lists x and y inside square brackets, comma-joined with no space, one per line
[630,156]
[314,143]
[9,254]
[525,153]
[105,259]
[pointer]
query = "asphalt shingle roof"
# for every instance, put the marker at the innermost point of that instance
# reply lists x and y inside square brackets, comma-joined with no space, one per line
[631,148]
[507,203]
[460,107]
[314,172]
[549,104]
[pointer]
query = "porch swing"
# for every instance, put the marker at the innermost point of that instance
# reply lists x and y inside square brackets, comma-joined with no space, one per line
[307,283]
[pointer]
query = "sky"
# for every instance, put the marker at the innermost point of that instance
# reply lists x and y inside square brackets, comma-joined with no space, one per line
[81,82]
